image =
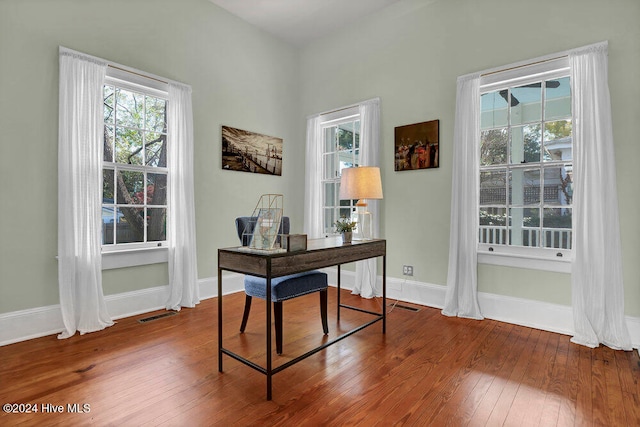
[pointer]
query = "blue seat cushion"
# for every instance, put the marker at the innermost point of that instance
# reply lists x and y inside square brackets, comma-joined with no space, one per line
[285,287]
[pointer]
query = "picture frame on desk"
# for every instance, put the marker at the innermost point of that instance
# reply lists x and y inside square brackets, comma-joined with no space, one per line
[294,242]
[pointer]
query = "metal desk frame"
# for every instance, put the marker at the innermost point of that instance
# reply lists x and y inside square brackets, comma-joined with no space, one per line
[320,253]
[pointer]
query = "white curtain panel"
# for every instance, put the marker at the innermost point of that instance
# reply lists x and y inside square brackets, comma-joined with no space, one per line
[181,230]
[462,279]
[366,271]
[313,226]
[80,140]
[597,285]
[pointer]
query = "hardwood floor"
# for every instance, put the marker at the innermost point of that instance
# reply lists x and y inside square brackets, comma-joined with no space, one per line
[427,370]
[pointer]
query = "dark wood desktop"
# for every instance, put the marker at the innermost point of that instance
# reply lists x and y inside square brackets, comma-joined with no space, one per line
[320,253]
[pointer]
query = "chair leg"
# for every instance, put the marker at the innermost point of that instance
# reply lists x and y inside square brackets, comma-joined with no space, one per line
[323,310]
[277,314]
[245,316]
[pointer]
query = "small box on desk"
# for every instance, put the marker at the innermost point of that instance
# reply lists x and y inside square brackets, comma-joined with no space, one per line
[294,242]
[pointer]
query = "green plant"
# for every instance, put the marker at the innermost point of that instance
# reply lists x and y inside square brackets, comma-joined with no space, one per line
[344,225]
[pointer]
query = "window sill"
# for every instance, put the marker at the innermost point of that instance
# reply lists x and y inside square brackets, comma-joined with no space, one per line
[134,257]
[560,265]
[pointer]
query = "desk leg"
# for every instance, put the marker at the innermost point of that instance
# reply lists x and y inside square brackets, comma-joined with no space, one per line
[384,294]
[268,294]
[338,284]
[219,320]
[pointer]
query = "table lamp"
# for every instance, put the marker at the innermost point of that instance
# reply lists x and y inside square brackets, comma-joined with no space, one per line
[361,183]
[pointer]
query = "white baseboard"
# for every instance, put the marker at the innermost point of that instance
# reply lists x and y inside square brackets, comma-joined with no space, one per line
[518,311]
[28,324]
[37,322]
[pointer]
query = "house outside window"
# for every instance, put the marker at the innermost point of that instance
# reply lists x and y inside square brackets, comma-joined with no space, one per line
[134,201]
[341,149]
[526,163]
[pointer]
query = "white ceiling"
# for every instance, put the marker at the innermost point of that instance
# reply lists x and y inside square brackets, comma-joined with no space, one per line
[301,21]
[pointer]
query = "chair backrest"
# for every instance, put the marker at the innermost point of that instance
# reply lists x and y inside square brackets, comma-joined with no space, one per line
[246,224]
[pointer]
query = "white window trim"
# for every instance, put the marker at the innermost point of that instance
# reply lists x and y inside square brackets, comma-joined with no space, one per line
[524,257]
[135,254]
[546,259]
[134,257]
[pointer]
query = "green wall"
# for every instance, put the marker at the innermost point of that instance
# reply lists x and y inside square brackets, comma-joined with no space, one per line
[240,77]
[410,54]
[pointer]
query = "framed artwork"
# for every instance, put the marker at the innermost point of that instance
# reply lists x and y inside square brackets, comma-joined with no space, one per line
[251,152]
[417,146]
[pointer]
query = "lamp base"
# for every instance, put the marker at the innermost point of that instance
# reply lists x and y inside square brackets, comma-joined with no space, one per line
[364,225]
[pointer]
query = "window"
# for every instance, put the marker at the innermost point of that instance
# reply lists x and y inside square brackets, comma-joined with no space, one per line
[341,149]
[134,200]
[526,155]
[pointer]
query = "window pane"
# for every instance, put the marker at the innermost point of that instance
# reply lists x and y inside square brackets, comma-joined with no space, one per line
[156,118]
[109,99]
[526,143]
[493,188]
[557,98]
[524,186]
[493,225]
[156,189]
[330,139]
[558,186]
[156,224]
[493,147]
[330,194]
[130,187]
[129,225]
[329,219]
[526,104]
[129,109]
[346,160]
[493,110]
[155,149]
[128,146]
[346,137]
[107,225]
[524,226]
[108,143]
[557,223]
[345,212]
[557,141]
[108,186]
[330,171]
[356,127]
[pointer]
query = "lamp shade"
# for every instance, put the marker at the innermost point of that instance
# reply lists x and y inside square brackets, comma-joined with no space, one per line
[361,183]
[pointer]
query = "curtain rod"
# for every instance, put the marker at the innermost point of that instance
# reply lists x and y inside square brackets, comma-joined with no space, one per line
[523,65]
[137,74]
[345,107]
[542,59]
[339,109]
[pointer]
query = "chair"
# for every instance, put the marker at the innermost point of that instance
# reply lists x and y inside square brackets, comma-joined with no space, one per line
[282,288]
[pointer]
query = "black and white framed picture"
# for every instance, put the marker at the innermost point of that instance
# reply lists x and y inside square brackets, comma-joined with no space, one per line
[247,151]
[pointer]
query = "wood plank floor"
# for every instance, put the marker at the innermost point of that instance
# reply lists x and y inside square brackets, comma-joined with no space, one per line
[427,370]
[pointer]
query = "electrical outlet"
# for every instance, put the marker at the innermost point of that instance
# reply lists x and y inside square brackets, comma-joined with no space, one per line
[407,270]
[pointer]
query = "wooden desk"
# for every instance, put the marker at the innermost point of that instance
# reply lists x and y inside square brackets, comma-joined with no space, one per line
[320,253]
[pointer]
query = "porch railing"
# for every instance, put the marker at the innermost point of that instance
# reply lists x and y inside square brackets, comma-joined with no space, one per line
[559,238]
